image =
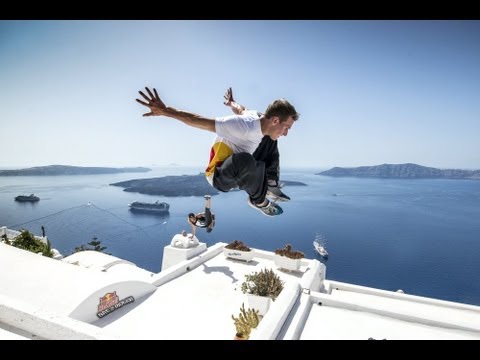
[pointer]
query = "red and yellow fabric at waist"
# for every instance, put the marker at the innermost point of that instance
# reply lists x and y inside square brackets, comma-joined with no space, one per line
[218,153]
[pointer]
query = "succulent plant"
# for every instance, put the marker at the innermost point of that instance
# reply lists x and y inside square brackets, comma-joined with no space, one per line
[246,321]
[263,283]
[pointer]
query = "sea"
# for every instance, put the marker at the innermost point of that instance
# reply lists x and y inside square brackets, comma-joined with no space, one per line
[421,236]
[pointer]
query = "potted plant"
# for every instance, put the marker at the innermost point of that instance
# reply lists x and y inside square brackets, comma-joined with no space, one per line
[262,288]
[245,322]
[238,250]
[288,259]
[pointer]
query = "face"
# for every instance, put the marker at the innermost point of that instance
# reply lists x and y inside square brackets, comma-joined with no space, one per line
[280,128]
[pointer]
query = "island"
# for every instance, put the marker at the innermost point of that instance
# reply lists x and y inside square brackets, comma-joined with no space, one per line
[179,185]
[402,171]
[53,170]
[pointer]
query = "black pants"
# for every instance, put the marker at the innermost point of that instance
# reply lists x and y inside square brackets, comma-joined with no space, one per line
[250,172]
[208,217]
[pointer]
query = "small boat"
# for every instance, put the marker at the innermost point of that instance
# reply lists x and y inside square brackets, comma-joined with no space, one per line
[320,248]
[156,207]
[27,198]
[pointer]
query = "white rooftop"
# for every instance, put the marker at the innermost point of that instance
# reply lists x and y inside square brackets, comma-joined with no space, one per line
[197,305]
[383,315]
[195,297]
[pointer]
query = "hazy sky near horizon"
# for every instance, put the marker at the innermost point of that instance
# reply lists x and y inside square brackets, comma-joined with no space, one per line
[369,92]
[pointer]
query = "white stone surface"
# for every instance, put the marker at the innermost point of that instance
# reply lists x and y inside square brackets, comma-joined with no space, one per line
[184,241]
[54,285]
[94,260]
[195,297]
[239,255]
[174,255]
[34,322]
[287,263]
[197,305]
[331,323]
[9,333]
[378,314]
[259,303]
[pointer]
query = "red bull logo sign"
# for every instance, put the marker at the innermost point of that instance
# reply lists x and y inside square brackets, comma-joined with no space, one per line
[111,302]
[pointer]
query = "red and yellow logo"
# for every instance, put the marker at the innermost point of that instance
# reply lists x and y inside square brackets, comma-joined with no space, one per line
[111,302]
[107,301]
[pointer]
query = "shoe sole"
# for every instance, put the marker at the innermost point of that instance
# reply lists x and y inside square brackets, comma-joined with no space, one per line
[259,209]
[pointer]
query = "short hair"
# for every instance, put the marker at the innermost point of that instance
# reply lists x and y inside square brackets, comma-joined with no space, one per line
[283,109]
[191,215]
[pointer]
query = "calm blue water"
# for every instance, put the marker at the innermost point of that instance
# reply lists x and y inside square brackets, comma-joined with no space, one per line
[421,236]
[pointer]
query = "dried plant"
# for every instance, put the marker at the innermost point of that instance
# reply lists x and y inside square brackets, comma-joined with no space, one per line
[263,283]
[238,245]
[289,253]
[246,321]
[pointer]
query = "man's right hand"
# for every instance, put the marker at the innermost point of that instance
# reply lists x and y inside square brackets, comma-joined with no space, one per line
[236,108]
[158,108]
[154,103]
[228,97]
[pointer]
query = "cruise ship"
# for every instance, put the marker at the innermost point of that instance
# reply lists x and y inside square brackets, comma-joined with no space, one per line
[27,198]
[156,207]
[92,295]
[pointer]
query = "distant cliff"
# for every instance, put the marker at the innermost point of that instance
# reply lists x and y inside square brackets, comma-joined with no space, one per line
[70,170]
[292,183]
[403,171]
[183,185]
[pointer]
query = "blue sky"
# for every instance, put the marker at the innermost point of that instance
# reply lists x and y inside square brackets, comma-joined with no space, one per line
[369,92]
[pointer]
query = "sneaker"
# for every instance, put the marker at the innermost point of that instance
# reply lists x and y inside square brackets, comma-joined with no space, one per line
[271,209]
[207,197]
[274,193]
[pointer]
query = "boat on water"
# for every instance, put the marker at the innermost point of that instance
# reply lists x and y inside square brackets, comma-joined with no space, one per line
[27,198]
[156,207]
[320,248]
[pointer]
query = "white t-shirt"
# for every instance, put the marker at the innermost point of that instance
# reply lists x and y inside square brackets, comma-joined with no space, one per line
[235,134]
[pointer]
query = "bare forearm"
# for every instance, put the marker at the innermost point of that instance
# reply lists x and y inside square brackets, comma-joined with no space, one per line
[191,119]
[237,108]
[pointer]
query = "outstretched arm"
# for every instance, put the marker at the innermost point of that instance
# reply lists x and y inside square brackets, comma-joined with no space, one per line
[193,228]
[158,108]
[236,108]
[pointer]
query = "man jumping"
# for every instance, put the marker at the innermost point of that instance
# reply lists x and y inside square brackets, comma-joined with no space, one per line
[235,157]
